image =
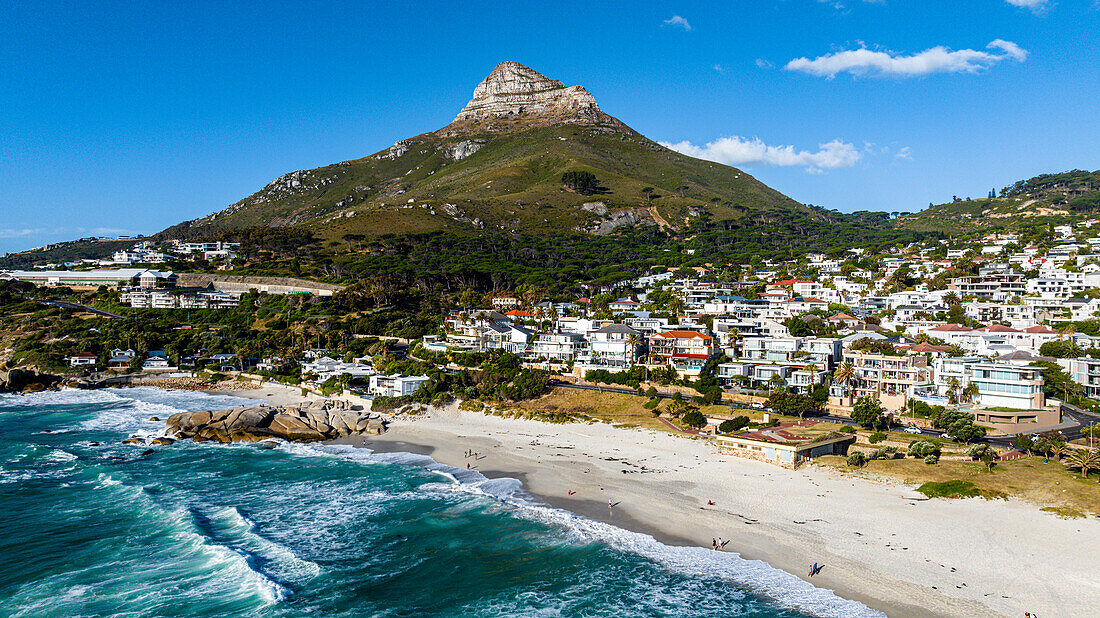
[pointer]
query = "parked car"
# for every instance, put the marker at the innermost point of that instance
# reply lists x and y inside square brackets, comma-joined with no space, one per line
[912,429]
[756,405]
[947,436]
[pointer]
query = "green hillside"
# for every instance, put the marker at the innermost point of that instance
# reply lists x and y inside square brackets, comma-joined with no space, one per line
[512,182]
[1044,199]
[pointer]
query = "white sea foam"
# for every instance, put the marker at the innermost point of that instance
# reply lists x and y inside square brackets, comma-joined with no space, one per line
[784,588]
[280,561]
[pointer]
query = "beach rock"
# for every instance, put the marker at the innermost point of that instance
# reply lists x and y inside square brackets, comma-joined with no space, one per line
[26,381]
[162,441]
[133,441]
[303,422]
[155,419]
[148,452]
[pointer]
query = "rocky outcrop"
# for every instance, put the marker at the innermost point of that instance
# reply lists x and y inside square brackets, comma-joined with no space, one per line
[516,91]
[27,381]
[309,422]
[463,149]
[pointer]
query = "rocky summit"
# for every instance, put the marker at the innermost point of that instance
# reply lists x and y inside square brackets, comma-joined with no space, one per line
[515,91]
[299,423]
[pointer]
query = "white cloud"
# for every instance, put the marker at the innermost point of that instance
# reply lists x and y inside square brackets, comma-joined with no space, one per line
[676,20]
[763,64]
[20,232]
[1013,50]
[719,68]
[739,151]
[904,153]
[1036,6]
[938,59]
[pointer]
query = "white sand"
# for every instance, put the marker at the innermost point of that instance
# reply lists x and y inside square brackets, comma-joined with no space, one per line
[881,543]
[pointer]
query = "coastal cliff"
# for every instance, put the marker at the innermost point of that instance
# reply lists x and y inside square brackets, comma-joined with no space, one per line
[306,422]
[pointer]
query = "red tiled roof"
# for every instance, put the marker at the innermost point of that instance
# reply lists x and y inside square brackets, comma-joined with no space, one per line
[695,356]
[954,328]
[998,328]
[1041,330]
[518,313]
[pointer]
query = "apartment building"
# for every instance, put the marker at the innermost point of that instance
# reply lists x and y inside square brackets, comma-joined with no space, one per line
[1008,386]
[886,378]
[685,350]
[559,346]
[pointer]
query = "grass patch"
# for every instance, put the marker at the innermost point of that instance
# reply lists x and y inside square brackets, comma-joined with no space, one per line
[1065,512]
[949,489]
[1047,484]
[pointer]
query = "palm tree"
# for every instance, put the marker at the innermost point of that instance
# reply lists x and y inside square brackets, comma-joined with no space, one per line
[953,389]
[951,299]
[632,341]
[970,392]
[843,376]
[1058,449]
[1085,459]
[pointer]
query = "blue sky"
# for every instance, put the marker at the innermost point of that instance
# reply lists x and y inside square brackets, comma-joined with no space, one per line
[118,118]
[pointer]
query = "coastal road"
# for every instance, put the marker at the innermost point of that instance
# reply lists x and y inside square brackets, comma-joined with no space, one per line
[76,307]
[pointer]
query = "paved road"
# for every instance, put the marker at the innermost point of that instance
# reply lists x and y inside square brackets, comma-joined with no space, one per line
[77,307]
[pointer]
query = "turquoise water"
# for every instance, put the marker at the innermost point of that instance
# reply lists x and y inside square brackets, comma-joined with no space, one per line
[90,527]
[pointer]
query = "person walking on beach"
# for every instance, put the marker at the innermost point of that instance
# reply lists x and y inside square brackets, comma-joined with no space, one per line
[714,544]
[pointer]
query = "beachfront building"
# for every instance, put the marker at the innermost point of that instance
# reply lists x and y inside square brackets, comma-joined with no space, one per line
[780,447]
[120,359]
[890,379]
[560,346]
[684,350]
[82,359]
[324,368]
[1007,386]
[615,345]
[398,385]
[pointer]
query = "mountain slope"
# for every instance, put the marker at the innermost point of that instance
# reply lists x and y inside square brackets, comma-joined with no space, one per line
[1047,198]
[499,165]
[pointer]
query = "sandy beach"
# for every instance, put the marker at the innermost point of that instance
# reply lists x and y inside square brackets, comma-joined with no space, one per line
[881,543]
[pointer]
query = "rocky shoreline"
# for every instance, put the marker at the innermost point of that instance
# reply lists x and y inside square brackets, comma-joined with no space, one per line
[305,422]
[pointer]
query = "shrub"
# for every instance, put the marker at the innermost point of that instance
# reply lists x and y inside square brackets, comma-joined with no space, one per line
[857,459]
[932,459]
[734,424]
[877,437]
[651,391]
[651,404]
[847,429]
[924,448]
[949,489]
[694,419]
[978,450]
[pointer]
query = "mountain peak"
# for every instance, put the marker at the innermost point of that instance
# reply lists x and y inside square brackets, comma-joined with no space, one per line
[516,91]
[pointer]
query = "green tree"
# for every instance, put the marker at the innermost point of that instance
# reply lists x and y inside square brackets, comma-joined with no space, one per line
[694,419]
[584,183]
[1084,459]
[734,424]
[868,412]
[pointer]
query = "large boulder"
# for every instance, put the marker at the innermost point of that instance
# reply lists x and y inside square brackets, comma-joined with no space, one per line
[294,429]
[305,422]
[27,381]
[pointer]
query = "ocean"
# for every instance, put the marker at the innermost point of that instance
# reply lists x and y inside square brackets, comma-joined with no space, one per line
[91,527]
